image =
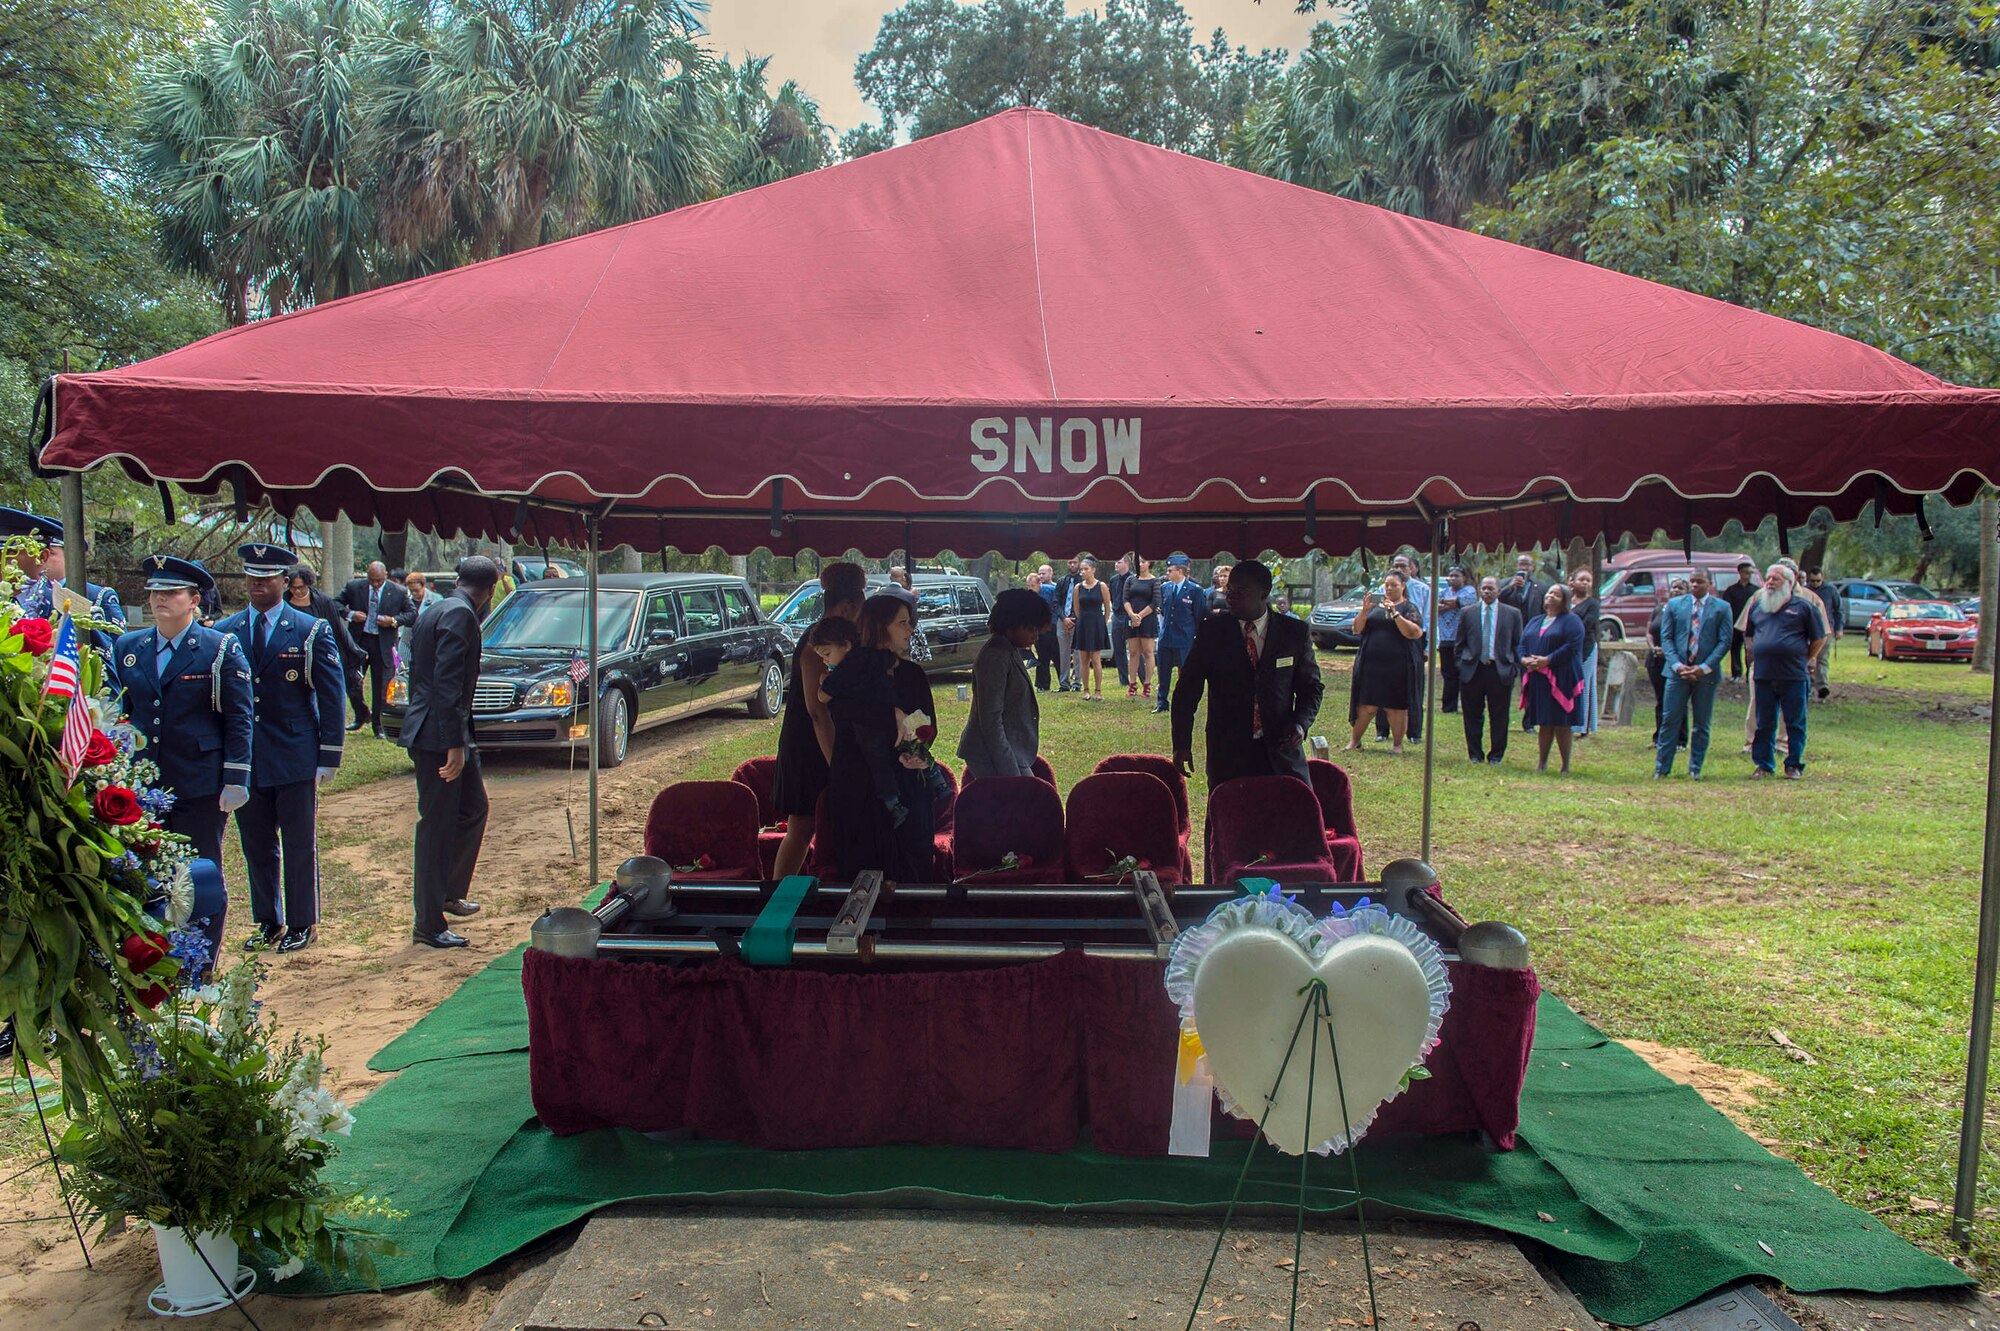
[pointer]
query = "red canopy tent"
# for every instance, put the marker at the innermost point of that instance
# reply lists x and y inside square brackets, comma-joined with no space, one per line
[1028,334]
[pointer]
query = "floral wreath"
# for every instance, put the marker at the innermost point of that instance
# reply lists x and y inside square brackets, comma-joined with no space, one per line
[1271,909]
[82,854]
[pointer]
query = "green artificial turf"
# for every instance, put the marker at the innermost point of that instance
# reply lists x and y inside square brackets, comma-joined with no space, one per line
[1646,1196]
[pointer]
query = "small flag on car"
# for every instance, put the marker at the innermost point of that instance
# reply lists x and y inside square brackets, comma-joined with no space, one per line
[579,669]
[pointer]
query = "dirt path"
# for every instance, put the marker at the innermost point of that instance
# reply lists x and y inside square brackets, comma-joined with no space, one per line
[362,984]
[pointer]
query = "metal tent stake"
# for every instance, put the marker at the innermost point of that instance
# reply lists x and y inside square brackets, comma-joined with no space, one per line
[1314,1007]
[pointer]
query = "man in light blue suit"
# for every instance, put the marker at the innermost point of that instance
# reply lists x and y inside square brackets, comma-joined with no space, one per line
[1694,635]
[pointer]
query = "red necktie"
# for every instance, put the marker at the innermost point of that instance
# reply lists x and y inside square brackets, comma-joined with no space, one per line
[1250,645]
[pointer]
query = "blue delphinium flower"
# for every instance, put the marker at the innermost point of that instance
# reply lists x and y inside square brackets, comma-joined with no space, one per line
[146,1057]
[1338,911]
[156,802]
[192,951]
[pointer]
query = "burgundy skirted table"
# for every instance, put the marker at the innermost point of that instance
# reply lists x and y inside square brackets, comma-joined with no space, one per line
[1043,1056]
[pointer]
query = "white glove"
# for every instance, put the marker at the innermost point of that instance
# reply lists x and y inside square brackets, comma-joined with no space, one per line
[326,774]
[234,798]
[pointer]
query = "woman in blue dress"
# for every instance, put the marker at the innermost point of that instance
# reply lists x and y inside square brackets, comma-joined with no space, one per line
[1552,674]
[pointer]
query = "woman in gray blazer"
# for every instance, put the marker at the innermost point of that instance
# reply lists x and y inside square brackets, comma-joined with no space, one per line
[1004,733]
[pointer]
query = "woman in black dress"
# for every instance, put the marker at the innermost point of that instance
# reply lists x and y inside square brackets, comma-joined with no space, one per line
[1142,619]
[805,738]
[864,833]
[1090,603]
[1386,672]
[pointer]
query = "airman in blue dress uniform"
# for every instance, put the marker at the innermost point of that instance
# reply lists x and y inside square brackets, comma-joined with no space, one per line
[187,690]
[38,597]
[297,678]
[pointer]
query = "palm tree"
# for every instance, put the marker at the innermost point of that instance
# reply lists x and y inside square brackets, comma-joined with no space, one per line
[253,139]
[1393,109]
[504,124]
[769,138]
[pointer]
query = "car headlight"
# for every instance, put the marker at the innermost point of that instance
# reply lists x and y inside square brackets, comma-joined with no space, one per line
[399,692]
[549,693]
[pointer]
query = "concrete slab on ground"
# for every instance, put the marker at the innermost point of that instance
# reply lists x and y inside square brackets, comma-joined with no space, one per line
[1940,1310]
[676,1268]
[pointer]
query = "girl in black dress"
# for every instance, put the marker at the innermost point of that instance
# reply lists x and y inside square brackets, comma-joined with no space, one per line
[1386,672]
[805,738]
[1142,619]
[1090,604]
[861,695]
[865,834]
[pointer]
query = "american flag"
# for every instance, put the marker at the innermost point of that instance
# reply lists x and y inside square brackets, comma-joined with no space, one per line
[65,673]
[579,669]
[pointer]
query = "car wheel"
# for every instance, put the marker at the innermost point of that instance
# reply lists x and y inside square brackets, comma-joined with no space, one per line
[770,694]
[614,728]
[1610,630]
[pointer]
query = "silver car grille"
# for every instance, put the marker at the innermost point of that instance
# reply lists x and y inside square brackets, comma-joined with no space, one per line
[493,695]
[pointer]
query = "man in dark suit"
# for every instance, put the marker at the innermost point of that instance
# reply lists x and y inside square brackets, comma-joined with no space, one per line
[296,677]
[1264,686]
[437,730]
[1524,591]
[1488,656]
[187,690]
[377,610]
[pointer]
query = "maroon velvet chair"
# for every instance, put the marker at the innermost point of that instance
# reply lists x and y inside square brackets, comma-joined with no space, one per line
[714,820]
[998,814]
[1273,820]
[1336,807]
[820,862]
[942,812]
[1115,814]
[1042,771]
[761,775]
[1152,764]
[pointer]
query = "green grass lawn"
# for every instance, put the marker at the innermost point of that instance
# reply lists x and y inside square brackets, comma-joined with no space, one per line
[1841,909]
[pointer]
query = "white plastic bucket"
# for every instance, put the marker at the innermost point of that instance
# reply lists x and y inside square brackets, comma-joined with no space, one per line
[189,1281]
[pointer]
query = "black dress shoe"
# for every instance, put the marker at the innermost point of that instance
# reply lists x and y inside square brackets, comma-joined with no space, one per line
[266,935]
[461,908]
[353,726]
[442,938]
[295,939]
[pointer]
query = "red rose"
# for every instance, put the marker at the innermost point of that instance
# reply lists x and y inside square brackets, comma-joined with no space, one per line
[118,806]
[101,750]
[36,635]
[143,951]
[926,734]
[154,994]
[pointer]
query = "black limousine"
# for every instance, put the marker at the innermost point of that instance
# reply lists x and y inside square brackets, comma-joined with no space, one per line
[669,645]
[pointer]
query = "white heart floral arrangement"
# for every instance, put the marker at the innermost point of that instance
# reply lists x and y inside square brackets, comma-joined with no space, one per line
[1311,1074]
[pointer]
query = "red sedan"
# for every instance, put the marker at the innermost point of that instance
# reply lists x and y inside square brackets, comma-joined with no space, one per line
[1934,630]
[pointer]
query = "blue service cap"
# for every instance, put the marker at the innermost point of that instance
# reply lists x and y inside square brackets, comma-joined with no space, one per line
[261,559]
[20,522]
[1177,561]
[169,573]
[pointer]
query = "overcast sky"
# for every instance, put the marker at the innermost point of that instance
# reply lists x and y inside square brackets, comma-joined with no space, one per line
[818,41]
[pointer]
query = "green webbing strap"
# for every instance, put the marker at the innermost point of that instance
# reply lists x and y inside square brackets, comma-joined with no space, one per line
[769,941]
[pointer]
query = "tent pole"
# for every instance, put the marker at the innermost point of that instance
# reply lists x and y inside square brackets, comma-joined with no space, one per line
[1979,1045]
[76,572]
[591,616]
[1430,682]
